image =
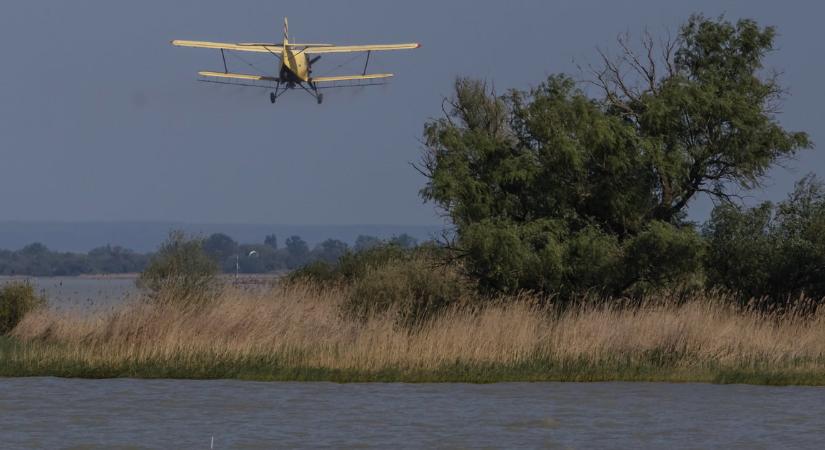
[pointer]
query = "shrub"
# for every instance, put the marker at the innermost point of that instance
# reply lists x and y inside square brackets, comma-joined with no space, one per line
[16,300]
[663,256]
[774,251]
[507,257]
[414,282]
[415,287]
[351,265]
[181,271]
[319,272]
[591,261]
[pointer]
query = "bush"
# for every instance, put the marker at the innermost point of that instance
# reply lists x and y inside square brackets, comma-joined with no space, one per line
[415,282]
[508,257]
[318,272]
[592,260]
[351,265]
[773,251]
[416,287]
[16,300]
[663,256]
[181,271]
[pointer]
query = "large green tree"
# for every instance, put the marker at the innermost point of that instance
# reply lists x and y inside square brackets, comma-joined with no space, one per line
[557,190]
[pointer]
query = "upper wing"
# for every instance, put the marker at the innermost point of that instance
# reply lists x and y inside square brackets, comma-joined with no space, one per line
[314,49]
[360,48]
[258,48]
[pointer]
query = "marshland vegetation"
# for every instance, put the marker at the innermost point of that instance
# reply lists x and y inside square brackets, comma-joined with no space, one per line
[571,256]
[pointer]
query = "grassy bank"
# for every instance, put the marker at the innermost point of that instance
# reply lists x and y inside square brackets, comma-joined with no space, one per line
[299,334]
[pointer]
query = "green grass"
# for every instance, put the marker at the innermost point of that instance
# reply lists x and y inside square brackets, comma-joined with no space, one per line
[16,361]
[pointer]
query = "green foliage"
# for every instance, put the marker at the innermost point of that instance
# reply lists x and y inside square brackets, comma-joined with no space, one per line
[222,249]
[37,260]
[366,242]
[542,256]
[415,283]
[297,252]
[329,251]
[592,258]
[663,256]
[774,251]
[351,265]
[318,272]
[416,287]
[709,121]
[115,259]
[508,257]
[16,300]
[181,271]
[271,241]
[554,190]
[404,240]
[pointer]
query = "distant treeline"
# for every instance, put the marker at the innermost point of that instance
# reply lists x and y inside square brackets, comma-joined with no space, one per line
[37,260]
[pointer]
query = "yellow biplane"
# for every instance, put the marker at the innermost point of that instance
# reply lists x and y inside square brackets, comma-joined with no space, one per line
[296,65]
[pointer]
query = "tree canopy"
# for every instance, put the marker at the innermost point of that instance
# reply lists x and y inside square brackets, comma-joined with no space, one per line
[556,189]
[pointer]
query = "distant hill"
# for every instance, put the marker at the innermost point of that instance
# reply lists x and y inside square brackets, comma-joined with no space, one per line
[145,236]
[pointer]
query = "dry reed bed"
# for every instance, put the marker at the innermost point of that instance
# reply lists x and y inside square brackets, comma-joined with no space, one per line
[303,327]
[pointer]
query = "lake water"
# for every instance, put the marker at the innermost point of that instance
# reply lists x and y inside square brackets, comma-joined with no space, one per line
[105,292]
[55,413]
[87,293]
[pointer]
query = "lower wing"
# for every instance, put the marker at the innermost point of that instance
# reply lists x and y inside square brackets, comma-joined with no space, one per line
[237,76]
[374,76]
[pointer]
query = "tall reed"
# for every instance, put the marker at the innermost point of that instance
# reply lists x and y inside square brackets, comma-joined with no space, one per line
[299,332]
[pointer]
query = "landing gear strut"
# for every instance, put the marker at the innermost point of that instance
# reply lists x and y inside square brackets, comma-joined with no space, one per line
[273,96]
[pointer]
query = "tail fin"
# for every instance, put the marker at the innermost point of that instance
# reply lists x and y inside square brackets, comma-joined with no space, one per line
[286,32]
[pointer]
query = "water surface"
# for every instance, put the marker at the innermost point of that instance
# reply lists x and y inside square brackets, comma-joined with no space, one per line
[82,293]
[55,413]
[102,293]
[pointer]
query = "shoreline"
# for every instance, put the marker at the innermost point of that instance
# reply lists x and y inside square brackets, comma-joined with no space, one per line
[269,368]
[132,276]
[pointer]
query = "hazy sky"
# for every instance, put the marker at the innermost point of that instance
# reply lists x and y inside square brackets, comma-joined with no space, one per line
[101,119]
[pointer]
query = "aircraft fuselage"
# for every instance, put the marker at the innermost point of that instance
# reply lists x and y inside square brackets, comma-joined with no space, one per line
[295,66]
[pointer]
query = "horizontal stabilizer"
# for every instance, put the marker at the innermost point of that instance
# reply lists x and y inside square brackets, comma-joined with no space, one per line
[237,76]
[374,76]
[291,44]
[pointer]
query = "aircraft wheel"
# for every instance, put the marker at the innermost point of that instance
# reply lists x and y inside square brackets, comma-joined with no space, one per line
[272,97]
[320,98]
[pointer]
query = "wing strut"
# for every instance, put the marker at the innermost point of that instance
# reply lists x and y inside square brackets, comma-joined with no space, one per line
[367,63]
[225,69]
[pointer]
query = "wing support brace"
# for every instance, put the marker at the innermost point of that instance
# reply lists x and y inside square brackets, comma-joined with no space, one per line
[367,63]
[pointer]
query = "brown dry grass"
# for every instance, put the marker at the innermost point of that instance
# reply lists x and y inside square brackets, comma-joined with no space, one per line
[276,334]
